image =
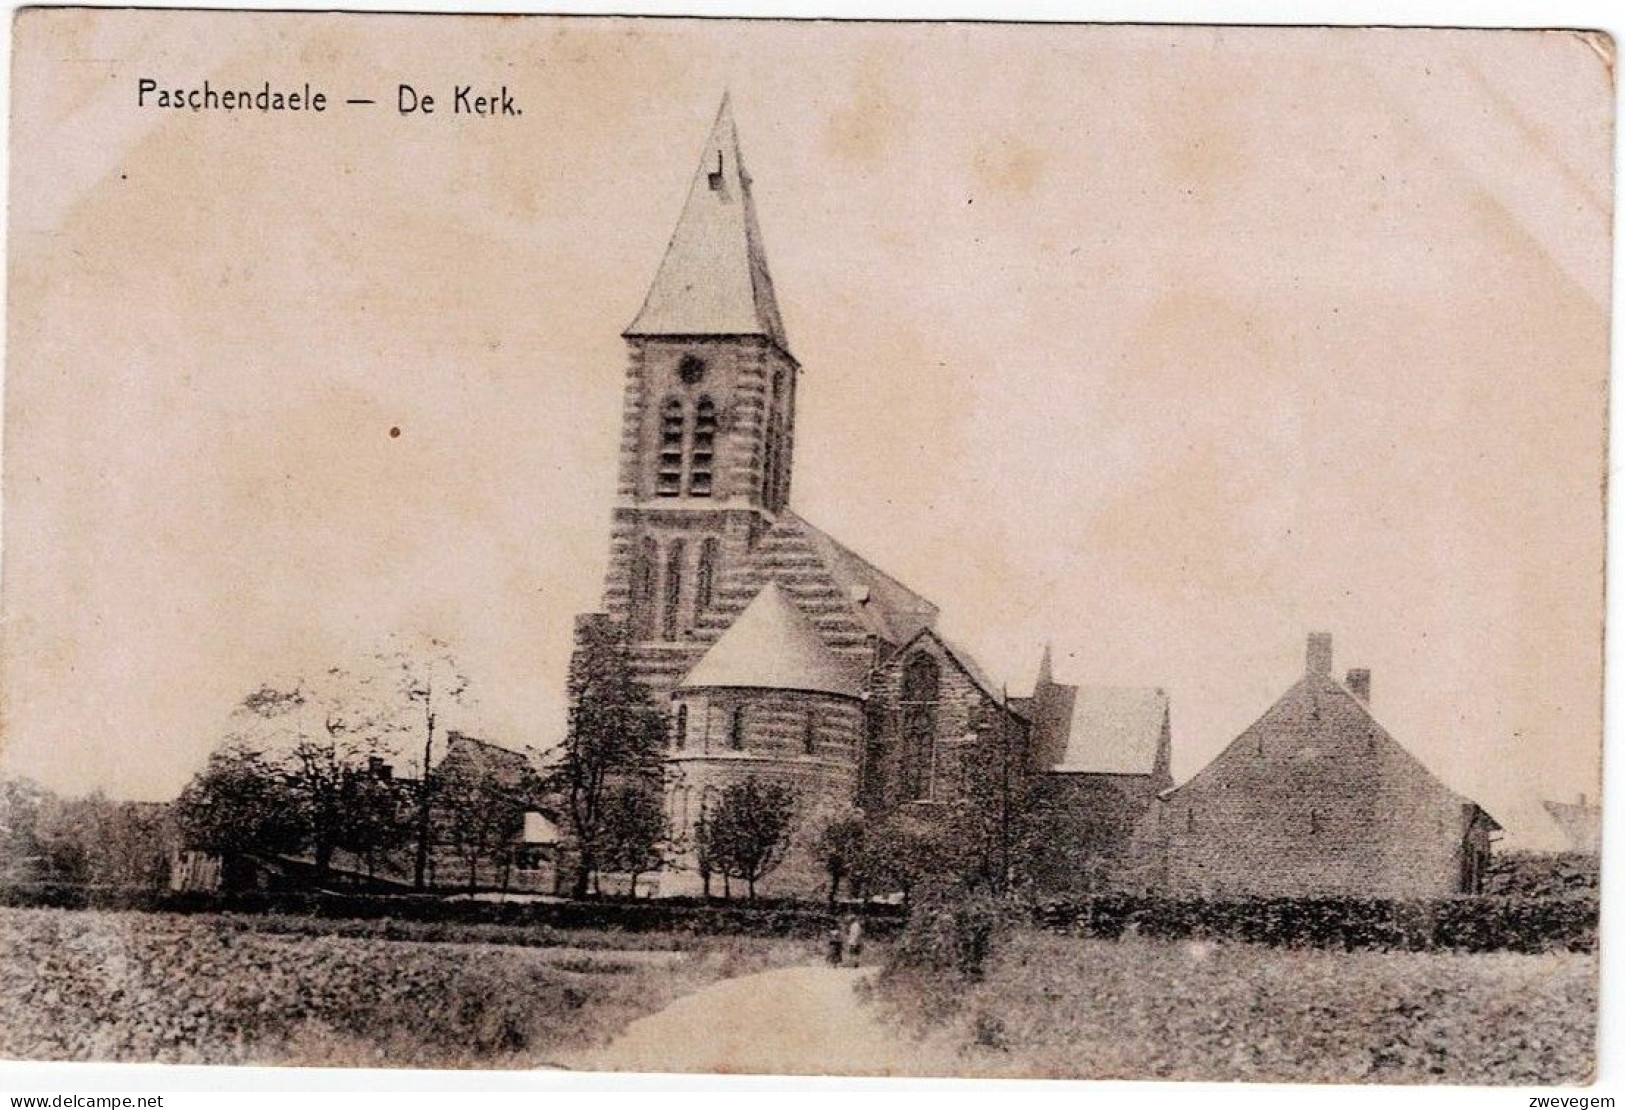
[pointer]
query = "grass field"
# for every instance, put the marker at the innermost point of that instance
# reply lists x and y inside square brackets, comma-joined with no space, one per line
[83,985]
[1062,1007]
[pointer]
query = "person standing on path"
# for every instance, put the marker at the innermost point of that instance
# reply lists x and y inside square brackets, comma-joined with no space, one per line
[854,939]
[834,941]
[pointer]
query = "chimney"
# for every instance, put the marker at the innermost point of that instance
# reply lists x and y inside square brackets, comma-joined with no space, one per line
[1359,684]
[1318,658]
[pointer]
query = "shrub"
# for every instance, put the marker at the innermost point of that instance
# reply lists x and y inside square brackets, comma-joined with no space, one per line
[953,936]
[1474,924]
[783,918]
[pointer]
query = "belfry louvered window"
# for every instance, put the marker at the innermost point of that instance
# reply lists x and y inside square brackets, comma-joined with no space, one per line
[700,454]
[669,477]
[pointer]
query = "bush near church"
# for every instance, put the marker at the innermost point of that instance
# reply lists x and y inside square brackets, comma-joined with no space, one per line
[1472,924]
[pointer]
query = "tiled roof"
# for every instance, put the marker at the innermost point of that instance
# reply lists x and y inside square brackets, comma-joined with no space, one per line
[890,609]
[966,662]
[772,645]
[1115,730]
[713,279]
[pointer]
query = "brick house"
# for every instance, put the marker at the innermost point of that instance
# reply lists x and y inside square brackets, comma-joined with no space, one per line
[1315,798]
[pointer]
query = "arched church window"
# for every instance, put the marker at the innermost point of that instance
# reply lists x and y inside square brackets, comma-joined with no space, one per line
[736,728]
[669,618]
[705,578]
[700,454]
[680,732]
[770,466]
[669,477]
[643,588]
[922,679]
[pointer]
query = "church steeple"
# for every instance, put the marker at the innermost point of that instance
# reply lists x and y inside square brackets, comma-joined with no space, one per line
[708,424]
[713,280]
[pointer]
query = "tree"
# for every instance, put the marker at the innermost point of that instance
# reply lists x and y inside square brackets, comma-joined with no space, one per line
[21,855]
[480,812]
[240,802]
[970,840]
[702,853]
[839,841]
[615,735]
[634,831]
[429,680]
[748,833]
[292,774]
[377,817]
[92,840]
[336,736]
[996,784]
[912,849]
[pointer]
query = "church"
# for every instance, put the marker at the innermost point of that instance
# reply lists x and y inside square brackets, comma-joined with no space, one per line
[779,652]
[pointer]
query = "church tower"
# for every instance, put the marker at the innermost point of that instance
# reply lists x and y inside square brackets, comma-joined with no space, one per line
[709,421]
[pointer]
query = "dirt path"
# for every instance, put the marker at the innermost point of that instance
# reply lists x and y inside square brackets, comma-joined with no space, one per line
[795,1021]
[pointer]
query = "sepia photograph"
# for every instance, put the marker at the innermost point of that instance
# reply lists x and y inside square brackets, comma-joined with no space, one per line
[805,547]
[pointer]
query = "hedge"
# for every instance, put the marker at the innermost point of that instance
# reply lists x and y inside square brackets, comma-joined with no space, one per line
[687,915]
[1468,924]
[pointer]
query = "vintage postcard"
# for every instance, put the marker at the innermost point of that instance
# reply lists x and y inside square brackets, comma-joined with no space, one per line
[805,547]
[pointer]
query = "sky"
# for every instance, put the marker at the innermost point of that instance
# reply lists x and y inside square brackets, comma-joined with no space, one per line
[1164,346]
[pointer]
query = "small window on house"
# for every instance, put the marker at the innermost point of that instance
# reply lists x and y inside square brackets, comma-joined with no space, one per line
[669,618]
[700,455]
[809,735]
[669,476]
[778,384]
[681,731]
[736,728]
[1314,822]
[1190,819]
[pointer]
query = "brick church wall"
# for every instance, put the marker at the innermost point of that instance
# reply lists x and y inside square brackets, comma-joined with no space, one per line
[962,711]
[774,737]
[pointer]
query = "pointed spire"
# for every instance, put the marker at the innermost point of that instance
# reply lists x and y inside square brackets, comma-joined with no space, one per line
[1046,670]
[713,279]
